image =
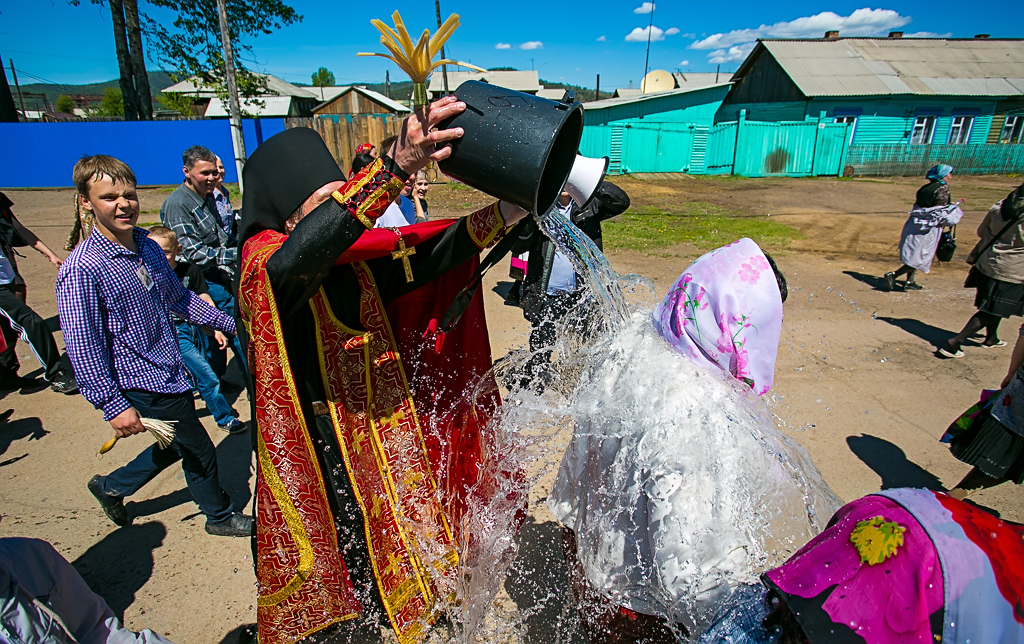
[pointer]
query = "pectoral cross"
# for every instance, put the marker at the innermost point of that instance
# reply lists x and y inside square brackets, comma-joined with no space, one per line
[403,254]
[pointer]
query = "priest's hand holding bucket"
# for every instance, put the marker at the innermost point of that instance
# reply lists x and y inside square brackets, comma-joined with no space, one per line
[419,142]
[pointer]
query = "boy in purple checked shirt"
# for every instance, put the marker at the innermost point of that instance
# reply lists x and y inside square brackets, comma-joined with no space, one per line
[115,293]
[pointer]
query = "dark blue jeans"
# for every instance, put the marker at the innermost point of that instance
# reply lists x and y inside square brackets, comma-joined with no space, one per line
[215,356]
[190,341]
[192,446]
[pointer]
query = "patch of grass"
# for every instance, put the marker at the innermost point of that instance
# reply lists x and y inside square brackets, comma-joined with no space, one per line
[704,225]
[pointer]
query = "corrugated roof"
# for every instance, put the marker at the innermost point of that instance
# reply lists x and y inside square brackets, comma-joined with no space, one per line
[329,92]
[528,81]
[695,79]
[393,105]
[622,92]
[272,106]
[886,66]
[276,86]
[625,100]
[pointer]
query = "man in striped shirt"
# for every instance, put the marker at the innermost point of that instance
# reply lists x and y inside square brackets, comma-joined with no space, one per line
[115,293]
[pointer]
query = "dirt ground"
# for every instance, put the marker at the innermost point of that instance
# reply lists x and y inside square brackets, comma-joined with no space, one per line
[857,383]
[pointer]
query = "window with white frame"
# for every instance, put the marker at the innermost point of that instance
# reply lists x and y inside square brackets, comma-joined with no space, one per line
[924,128]
[851,119]
[960,129]
[1013,130]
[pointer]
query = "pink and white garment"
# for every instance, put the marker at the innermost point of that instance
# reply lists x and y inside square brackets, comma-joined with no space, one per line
[725,312]
[678,485]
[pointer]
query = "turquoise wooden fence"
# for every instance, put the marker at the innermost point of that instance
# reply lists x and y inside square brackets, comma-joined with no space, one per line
[748,148]
[890,159]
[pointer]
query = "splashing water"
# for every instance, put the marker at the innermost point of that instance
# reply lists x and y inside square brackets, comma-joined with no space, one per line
[725,494]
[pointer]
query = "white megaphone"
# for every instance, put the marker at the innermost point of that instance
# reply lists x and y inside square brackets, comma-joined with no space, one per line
[584,178]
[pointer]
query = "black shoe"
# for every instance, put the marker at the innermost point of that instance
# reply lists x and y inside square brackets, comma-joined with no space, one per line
[113,506]
[11,380]
[235,427]
[890,281]
[239,525]
[64,384]
[912,286]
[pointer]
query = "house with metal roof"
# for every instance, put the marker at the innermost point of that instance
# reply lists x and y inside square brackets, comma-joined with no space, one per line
[280,100]
[359,100]
[909,102]
[527,82]
[653,132]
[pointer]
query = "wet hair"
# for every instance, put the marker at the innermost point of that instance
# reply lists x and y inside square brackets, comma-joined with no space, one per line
[195,154]
[359,162]
[92,167]
[163,232]
[779,277]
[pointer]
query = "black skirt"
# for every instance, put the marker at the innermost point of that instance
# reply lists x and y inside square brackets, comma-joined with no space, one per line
[992,448]
[998,297]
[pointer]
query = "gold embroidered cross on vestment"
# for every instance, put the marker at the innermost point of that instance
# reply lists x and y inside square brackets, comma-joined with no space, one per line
[403,254]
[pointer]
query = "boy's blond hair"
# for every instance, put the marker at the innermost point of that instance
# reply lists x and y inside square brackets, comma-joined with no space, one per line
[91,167]
[163,232]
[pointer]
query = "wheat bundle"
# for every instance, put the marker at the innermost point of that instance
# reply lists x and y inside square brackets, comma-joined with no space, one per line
[162,431]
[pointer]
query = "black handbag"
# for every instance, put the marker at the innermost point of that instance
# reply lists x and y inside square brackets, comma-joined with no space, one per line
[947,245]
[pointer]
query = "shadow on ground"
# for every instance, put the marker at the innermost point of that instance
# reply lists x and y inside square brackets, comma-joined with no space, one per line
[538,584]
[30,428]
[930,334]
[121,563]
[891,463]
[874,281]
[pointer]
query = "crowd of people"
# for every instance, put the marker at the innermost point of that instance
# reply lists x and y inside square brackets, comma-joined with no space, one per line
[344,305]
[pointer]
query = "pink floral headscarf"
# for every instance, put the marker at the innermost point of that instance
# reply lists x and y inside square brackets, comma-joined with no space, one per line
[725,312]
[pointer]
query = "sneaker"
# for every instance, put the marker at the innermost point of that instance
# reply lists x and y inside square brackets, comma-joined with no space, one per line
[890,281]
[64,384]
[113,506]
[239,525]
[912,286]
[235,427]
[994,345]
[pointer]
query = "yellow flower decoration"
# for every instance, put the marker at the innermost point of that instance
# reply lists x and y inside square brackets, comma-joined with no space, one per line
[416,60]
[877,539]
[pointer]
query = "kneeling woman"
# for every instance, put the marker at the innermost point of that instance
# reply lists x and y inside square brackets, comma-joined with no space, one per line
[677,488]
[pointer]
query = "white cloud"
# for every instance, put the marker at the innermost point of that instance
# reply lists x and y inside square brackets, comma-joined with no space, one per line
[645,7]
[684,63]
[503,45]
[533,44]
[862,22]
[601,39]
[671,31]
[928,34]
[689,35]
[640,34]
[731,55]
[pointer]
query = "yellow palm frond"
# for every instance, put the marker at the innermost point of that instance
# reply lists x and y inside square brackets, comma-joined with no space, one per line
[416,59]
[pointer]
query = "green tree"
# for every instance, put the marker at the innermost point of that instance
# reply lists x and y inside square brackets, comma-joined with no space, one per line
[323,77]
[65,104]
[112,103]
[180,103]
[191,44]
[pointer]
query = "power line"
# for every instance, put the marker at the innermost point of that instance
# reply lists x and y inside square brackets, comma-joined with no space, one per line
[35,53]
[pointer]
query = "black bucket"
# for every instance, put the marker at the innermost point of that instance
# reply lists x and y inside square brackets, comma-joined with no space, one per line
[517,147]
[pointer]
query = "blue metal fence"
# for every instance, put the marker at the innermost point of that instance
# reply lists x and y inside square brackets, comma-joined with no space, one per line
[41,155]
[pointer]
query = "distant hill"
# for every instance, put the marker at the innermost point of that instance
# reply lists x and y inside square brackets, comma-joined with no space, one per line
[157,82]
[582,93]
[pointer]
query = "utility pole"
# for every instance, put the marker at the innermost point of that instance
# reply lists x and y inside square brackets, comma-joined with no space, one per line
[647,58]
[21,99]
[444,68]
[597,92]
[387,83]
[237,139]
[8,112]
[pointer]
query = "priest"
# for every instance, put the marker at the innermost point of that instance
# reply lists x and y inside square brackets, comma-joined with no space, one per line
[370,424]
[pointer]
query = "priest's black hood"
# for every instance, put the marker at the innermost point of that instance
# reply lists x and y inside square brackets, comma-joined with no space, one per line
[279,176]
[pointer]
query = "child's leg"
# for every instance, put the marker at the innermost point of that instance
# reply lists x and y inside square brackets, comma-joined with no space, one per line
[206,381]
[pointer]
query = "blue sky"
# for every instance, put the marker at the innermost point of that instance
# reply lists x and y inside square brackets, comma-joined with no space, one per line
[568,41]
